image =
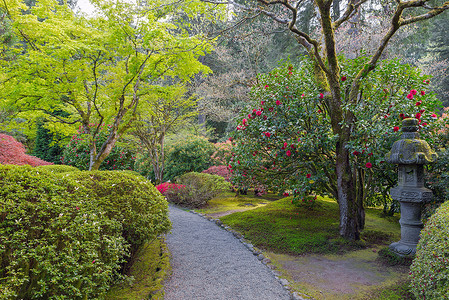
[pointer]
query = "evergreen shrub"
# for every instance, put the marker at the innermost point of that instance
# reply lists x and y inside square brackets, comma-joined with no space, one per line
[199,188]
[67,235]
[189,154]
[55,242]
[130,199]
[429,272]
[58,168]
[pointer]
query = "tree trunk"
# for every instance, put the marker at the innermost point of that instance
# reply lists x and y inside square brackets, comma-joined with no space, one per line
[349,207]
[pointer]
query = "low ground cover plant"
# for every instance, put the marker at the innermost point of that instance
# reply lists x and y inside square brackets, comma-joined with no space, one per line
[429,272]
[284,228]
[67,235]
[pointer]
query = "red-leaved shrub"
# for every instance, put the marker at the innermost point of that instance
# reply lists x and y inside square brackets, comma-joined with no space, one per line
[12,152]
[222,171]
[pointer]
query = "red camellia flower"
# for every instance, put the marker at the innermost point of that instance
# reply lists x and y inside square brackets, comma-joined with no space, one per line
[270,109]
[402,116]
[343,78]
[424,124]
[369,165]
[264,117]
[289,153]
[278,102]
[285,194]
[423,93]
[267,134]
[422,111]
[308,175]
[434,116]
[418,115]
[266,86]
[418,103]
[239,127]
[258,113]
[321,96]
[410,96]
[395,128]
[413,92]
[244,121]
[356,152]
[303,95]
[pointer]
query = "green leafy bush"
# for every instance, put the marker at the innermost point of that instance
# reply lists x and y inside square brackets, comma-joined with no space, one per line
[55,243]
[67,235]
[199,189]
[130,199]
[437,179]
[189,154]
[429,272]
[58,168]
[77,153]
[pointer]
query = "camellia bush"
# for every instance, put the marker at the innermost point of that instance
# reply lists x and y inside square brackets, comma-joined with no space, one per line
[12,152]
[77,152]
[285,142]
[429,272]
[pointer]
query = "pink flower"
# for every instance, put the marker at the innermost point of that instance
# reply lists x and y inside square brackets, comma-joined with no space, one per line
[230,167]
[267,134]
[289,153]
[426,81]
[395,128]
[77,208]
[410,96]
[369,165]
[244,122]
[250,116]
[285,145]
[278,102]
[258,113]
[266,86]
[424,124]
[321,96]
[303,95]
[423,93]
[413,92]
[343,78]
[308,175]
[418,115]
[434,116]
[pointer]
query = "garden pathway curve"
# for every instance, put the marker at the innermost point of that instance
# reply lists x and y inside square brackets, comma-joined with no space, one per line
[210,263]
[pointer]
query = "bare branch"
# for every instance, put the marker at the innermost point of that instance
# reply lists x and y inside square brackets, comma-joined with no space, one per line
[351,9]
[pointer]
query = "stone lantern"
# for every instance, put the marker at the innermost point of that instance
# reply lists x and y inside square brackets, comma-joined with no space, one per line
[410,154]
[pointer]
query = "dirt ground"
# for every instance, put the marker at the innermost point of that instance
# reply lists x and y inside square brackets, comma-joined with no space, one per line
[349,276]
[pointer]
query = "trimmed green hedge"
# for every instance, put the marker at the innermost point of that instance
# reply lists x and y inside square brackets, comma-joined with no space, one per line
[429,272]
[130,199]
[66,235]
[58,168]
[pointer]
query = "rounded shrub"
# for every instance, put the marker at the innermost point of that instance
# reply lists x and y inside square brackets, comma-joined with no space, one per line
[55,242]
[130,199]
[58,168]
[77,153]
[429,272]
[198,189]
[189,154]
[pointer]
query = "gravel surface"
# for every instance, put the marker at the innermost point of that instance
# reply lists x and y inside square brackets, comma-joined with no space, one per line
[210,263]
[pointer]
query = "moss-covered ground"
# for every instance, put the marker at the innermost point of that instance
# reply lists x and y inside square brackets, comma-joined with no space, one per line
[305,246]
[148,271]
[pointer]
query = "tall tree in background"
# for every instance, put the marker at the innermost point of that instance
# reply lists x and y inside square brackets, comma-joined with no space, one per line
[96,69]
[323,50]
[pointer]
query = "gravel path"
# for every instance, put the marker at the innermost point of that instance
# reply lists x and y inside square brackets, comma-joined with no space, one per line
[210,263]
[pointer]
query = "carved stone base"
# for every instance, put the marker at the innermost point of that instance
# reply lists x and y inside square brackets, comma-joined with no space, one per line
[403,249]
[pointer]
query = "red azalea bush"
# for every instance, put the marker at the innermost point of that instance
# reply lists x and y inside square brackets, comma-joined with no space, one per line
[171,190]
[12,152]
[285,141]
[222,171]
